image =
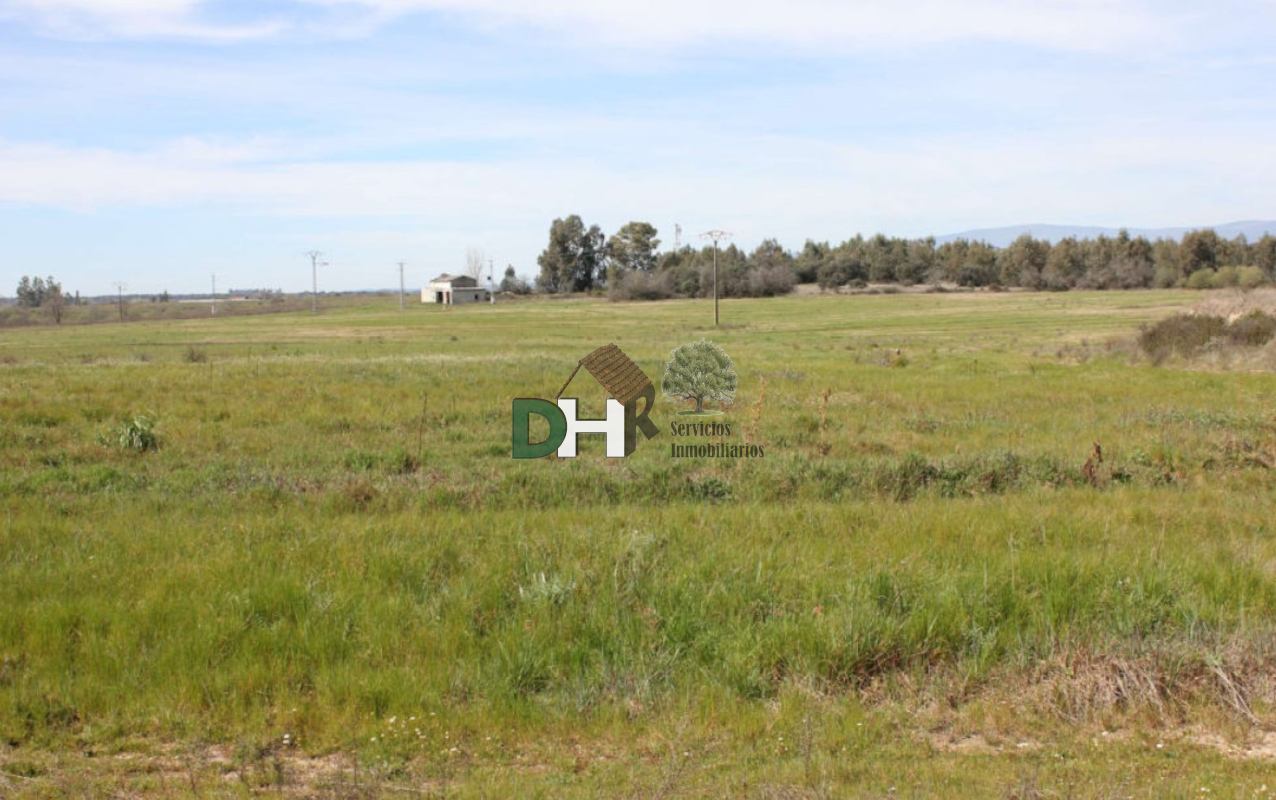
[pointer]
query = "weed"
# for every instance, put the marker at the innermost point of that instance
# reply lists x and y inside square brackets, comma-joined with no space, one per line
[358,494]
[823,445]
[554,590]
[710,488]
[755,415]
[137,434]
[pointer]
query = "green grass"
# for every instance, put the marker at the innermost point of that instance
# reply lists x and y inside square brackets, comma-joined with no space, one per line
[922,584]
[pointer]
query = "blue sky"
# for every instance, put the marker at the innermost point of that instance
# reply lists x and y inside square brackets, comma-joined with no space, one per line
[159,141]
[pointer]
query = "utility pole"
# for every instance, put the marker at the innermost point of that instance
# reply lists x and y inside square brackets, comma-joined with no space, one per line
[716,236]
[315,258]
[401,286]
[120,286]
[491,283]
[214,294]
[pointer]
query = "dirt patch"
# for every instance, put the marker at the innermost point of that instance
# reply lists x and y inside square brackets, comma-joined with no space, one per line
[1256,746]
[977,743]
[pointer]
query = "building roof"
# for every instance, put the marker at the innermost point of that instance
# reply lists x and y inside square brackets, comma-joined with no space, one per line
[458,281]
[619,375]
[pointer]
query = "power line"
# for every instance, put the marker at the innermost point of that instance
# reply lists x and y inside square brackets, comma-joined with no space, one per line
[315,262]
[716,236]
[120,286]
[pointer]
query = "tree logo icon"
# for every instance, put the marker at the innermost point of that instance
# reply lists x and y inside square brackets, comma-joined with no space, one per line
[699,371]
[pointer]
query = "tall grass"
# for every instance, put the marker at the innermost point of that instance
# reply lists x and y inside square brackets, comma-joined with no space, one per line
[317,549]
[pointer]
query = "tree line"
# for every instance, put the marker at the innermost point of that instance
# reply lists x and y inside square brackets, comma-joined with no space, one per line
[629,266]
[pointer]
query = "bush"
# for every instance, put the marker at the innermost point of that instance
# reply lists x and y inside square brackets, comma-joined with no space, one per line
[1201,279]
[770,281]
[1255,329]
[642,286]
[1164,277]
[1226,278]
[1184,334]
[1251,278]
[1188,334]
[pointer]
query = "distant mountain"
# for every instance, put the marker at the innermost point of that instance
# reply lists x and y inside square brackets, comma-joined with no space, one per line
[1000,237]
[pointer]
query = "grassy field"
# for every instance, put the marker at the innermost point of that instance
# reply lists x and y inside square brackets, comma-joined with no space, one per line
[291,555]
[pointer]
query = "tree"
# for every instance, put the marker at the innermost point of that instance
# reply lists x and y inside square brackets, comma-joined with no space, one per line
[1064,265]
[31,291]
[770,254]
[46,292]
[1166,264]
[699,371]
[844,265]
[54,299]
[1200,250]
[631,249]
[1263,254]
[807,265]
[919,261]
[591,270]
[475,261]
[683,268]
[559,259]
[512,283]
[884,258]
[1022,263]
[574,259]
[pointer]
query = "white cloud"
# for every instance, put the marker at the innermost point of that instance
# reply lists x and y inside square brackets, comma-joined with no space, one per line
[823,24]
[1070,24]
[96,19]
[797,188]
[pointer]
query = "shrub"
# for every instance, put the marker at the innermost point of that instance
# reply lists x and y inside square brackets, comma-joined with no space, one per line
[1251,278]
[770,281]
[1255,329]
[642,286]
[1165,277]
[1188,334]
[1184,334]
[1201,279]
[1226,278]
[194,355]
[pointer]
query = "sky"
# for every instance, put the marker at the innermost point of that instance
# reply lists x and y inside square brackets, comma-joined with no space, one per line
[160,142]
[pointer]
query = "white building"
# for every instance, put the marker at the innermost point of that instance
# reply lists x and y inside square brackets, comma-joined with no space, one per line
[451,290]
